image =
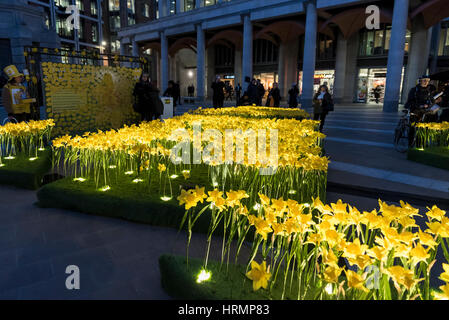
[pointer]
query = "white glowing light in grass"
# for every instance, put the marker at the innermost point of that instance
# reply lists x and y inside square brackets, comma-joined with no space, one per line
[10,158]
[174,176]
[2,165]
[105,188]
[203,276]
[137,180]
[329,289]
[307,205]
[128,173]
[166,198]
[256,206]
[292,192]
[421,149]
[41,149]
[215,184]
[112,167]
[79,179]
[186,171]
[33,159]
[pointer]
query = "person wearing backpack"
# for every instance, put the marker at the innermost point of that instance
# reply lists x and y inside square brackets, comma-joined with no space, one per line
[322,105]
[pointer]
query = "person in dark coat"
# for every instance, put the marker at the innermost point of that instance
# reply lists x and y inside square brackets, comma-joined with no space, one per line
[275,94]
[218,88]
[322,102]
[253,92]
[238,92]
[170,92]
[260,92]
[293,96]
[376,91]
[142,101]
[177,92]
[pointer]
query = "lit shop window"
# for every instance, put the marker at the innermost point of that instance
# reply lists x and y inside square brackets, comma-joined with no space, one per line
[189,5]
[209,2]
[114,5]
[93,8]
[377,42]
[172,8]
[131,6]
[443,46]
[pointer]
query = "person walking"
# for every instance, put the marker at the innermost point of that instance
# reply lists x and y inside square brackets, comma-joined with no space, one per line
[293,96]
[15,97]
[260,92]
[177,90]
[218,92]
[253,92]
[170,92]
[376,91]
[322,104]
[275,94]
[142,102]
[238,92]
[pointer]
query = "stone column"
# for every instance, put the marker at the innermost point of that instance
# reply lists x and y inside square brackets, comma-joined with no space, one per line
[162,8]
[198,3]
[164,62]
[417,57]
[291,64]
[179,6]
[309,54]
[340,68]
[210,70]
[283,85]
[351,73]
[247,63]
[122,48]
[135,48]
[396,55]
[201,66]
[435,40]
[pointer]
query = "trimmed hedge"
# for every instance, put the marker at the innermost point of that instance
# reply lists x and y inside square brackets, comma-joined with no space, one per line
[179,281]
[23,173]
[434,156]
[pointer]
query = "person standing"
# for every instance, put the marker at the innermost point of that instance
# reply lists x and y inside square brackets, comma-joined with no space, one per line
[218,92]
[376,91]
[238,92]
[177,93]
[293,96]
[275,94]
[142,102]
[253,92]
[322,104]
[170,92]
[260,92]
[14,95]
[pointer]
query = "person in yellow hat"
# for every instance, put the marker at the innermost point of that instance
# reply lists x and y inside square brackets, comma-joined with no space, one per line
[15,95]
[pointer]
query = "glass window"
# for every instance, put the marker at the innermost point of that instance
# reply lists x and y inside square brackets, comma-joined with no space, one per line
[172,8]
[80,5]
[114,22]
[387,39]
[131,6]
[189,5]
[94,33]
[146,10]
[93,8]
[114,5]
[209,2]
[62,3]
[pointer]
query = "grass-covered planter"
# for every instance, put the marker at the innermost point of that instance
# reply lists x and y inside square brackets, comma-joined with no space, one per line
[180,281]
[432,156]
[137,202]
[26,172]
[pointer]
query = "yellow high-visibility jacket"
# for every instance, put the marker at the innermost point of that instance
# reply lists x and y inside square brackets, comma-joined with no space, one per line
[12,96]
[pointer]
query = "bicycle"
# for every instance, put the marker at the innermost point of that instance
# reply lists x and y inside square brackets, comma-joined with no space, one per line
[403,130]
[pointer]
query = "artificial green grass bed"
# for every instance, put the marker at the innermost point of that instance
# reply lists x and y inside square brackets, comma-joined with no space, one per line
[433,156]
[138,202]
[180,282]
[23,173]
